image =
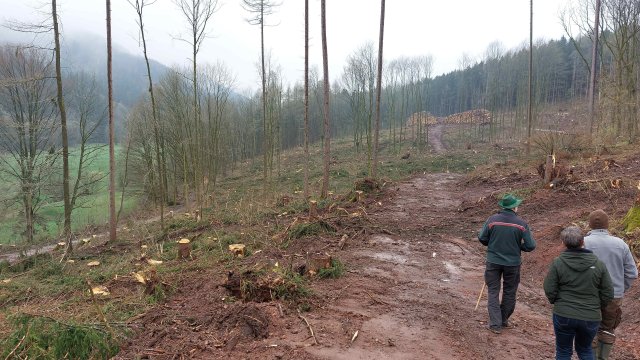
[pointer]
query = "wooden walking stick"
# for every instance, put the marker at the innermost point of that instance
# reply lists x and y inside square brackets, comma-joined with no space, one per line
[480,296]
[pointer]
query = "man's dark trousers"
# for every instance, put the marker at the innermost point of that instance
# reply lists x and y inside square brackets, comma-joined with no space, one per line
[499,312]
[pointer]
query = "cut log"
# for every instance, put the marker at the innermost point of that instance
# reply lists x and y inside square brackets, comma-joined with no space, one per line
[237,249]
[184,249]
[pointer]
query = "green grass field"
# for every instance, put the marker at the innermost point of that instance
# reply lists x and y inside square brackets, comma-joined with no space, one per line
[90,209]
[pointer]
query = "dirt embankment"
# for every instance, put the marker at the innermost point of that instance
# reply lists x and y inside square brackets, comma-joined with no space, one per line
[410,289]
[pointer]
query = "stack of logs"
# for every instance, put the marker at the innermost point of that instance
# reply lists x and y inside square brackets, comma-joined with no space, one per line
[476,116]
[423,118]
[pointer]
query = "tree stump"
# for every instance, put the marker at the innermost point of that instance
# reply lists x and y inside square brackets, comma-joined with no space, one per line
[184,249]
[237,249]
[313,209]
[548,170]
[318,262]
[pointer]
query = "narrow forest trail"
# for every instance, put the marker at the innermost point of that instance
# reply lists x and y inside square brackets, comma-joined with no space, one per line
[435,135]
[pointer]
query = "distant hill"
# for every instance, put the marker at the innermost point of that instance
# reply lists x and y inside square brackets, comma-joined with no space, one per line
[88,53]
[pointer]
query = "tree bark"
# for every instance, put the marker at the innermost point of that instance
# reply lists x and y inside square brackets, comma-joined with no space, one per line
[530,108]
[306,99]
[63,131]
[327,130]
[594,60]
[112,156]
[374,172]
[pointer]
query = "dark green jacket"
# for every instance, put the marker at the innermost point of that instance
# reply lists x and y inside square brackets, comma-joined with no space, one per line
[578,285]
[506,235]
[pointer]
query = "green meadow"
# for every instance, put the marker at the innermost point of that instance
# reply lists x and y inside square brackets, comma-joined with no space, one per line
[92,207]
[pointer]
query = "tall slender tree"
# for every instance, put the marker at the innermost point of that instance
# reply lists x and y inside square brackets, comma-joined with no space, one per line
[306,99]
[63,130]
[326,151]
[530,108]
[374,172]
[112,155]
[198,13]
[259,10]
[139,5]
[594,61]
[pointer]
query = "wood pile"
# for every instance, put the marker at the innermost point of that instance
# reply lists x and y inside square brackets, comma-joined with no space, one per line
[476,116]
[425,118]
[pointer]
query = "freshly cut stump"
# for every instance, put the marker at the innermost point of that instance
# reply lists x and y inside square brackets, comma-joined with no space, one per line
[184,249]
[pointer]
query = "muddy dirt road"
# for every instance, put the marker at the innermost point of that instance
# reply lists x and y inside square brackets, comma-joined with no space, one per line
[409,292]
[412,295]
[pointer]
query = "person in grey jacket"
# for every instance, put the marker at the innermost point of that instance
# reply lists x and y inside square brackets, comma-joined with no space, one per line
[578,285]
[616,255]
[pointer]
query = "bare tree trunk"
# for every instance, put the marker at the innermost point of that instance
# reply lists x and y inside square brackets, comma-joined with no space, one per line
[306,99]
[63,130]
[112,155]
[326,153]
[594,60]
[530,109]
[374,172]
[139,6]
[265,147]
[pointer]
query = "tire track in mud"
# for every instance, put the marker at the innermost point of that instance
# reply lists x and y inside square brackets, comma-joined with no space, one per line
[412,295]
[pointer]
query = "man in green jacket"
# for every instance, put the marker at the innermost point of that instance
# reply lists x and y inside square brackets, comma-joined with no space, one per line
[505,235]
[577,285]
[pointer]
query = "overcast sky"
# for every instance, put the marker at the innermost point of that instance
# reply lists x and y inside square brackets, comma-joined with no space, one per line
[444,29]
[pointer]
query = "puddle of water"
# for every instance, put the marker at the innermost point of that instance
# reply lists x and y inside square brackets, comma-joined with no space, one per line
[452,269]
[382,240]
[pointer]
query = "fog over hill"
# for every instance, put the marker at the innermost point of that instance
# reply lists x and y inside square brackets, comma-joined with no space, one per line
[88,53]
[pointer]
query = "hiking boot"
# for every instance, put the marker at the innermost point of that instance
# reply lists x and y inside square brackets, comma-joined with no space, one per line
[508,325]
[495,329]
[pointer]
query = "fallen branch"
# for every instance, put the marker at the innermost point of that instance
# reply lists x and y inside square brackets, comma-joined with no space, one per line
[100,312]
[343,240]
[309,327]
[18,345]
[388,232]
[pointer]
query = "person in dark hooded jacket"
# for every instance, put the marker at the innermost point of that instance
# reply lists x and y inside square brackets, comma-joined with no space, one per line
[578,285]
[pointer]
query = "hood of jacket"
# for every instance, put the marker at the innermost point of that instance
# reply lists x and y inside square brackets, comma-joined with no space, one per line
[578,259]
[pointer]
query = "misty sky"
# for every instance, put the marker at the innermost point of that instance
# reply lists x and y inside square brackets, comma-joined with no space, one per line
[444,29]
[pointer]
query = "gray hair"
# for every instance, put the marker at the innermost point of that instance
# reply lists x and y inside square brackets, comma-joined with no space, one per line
[572,237]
